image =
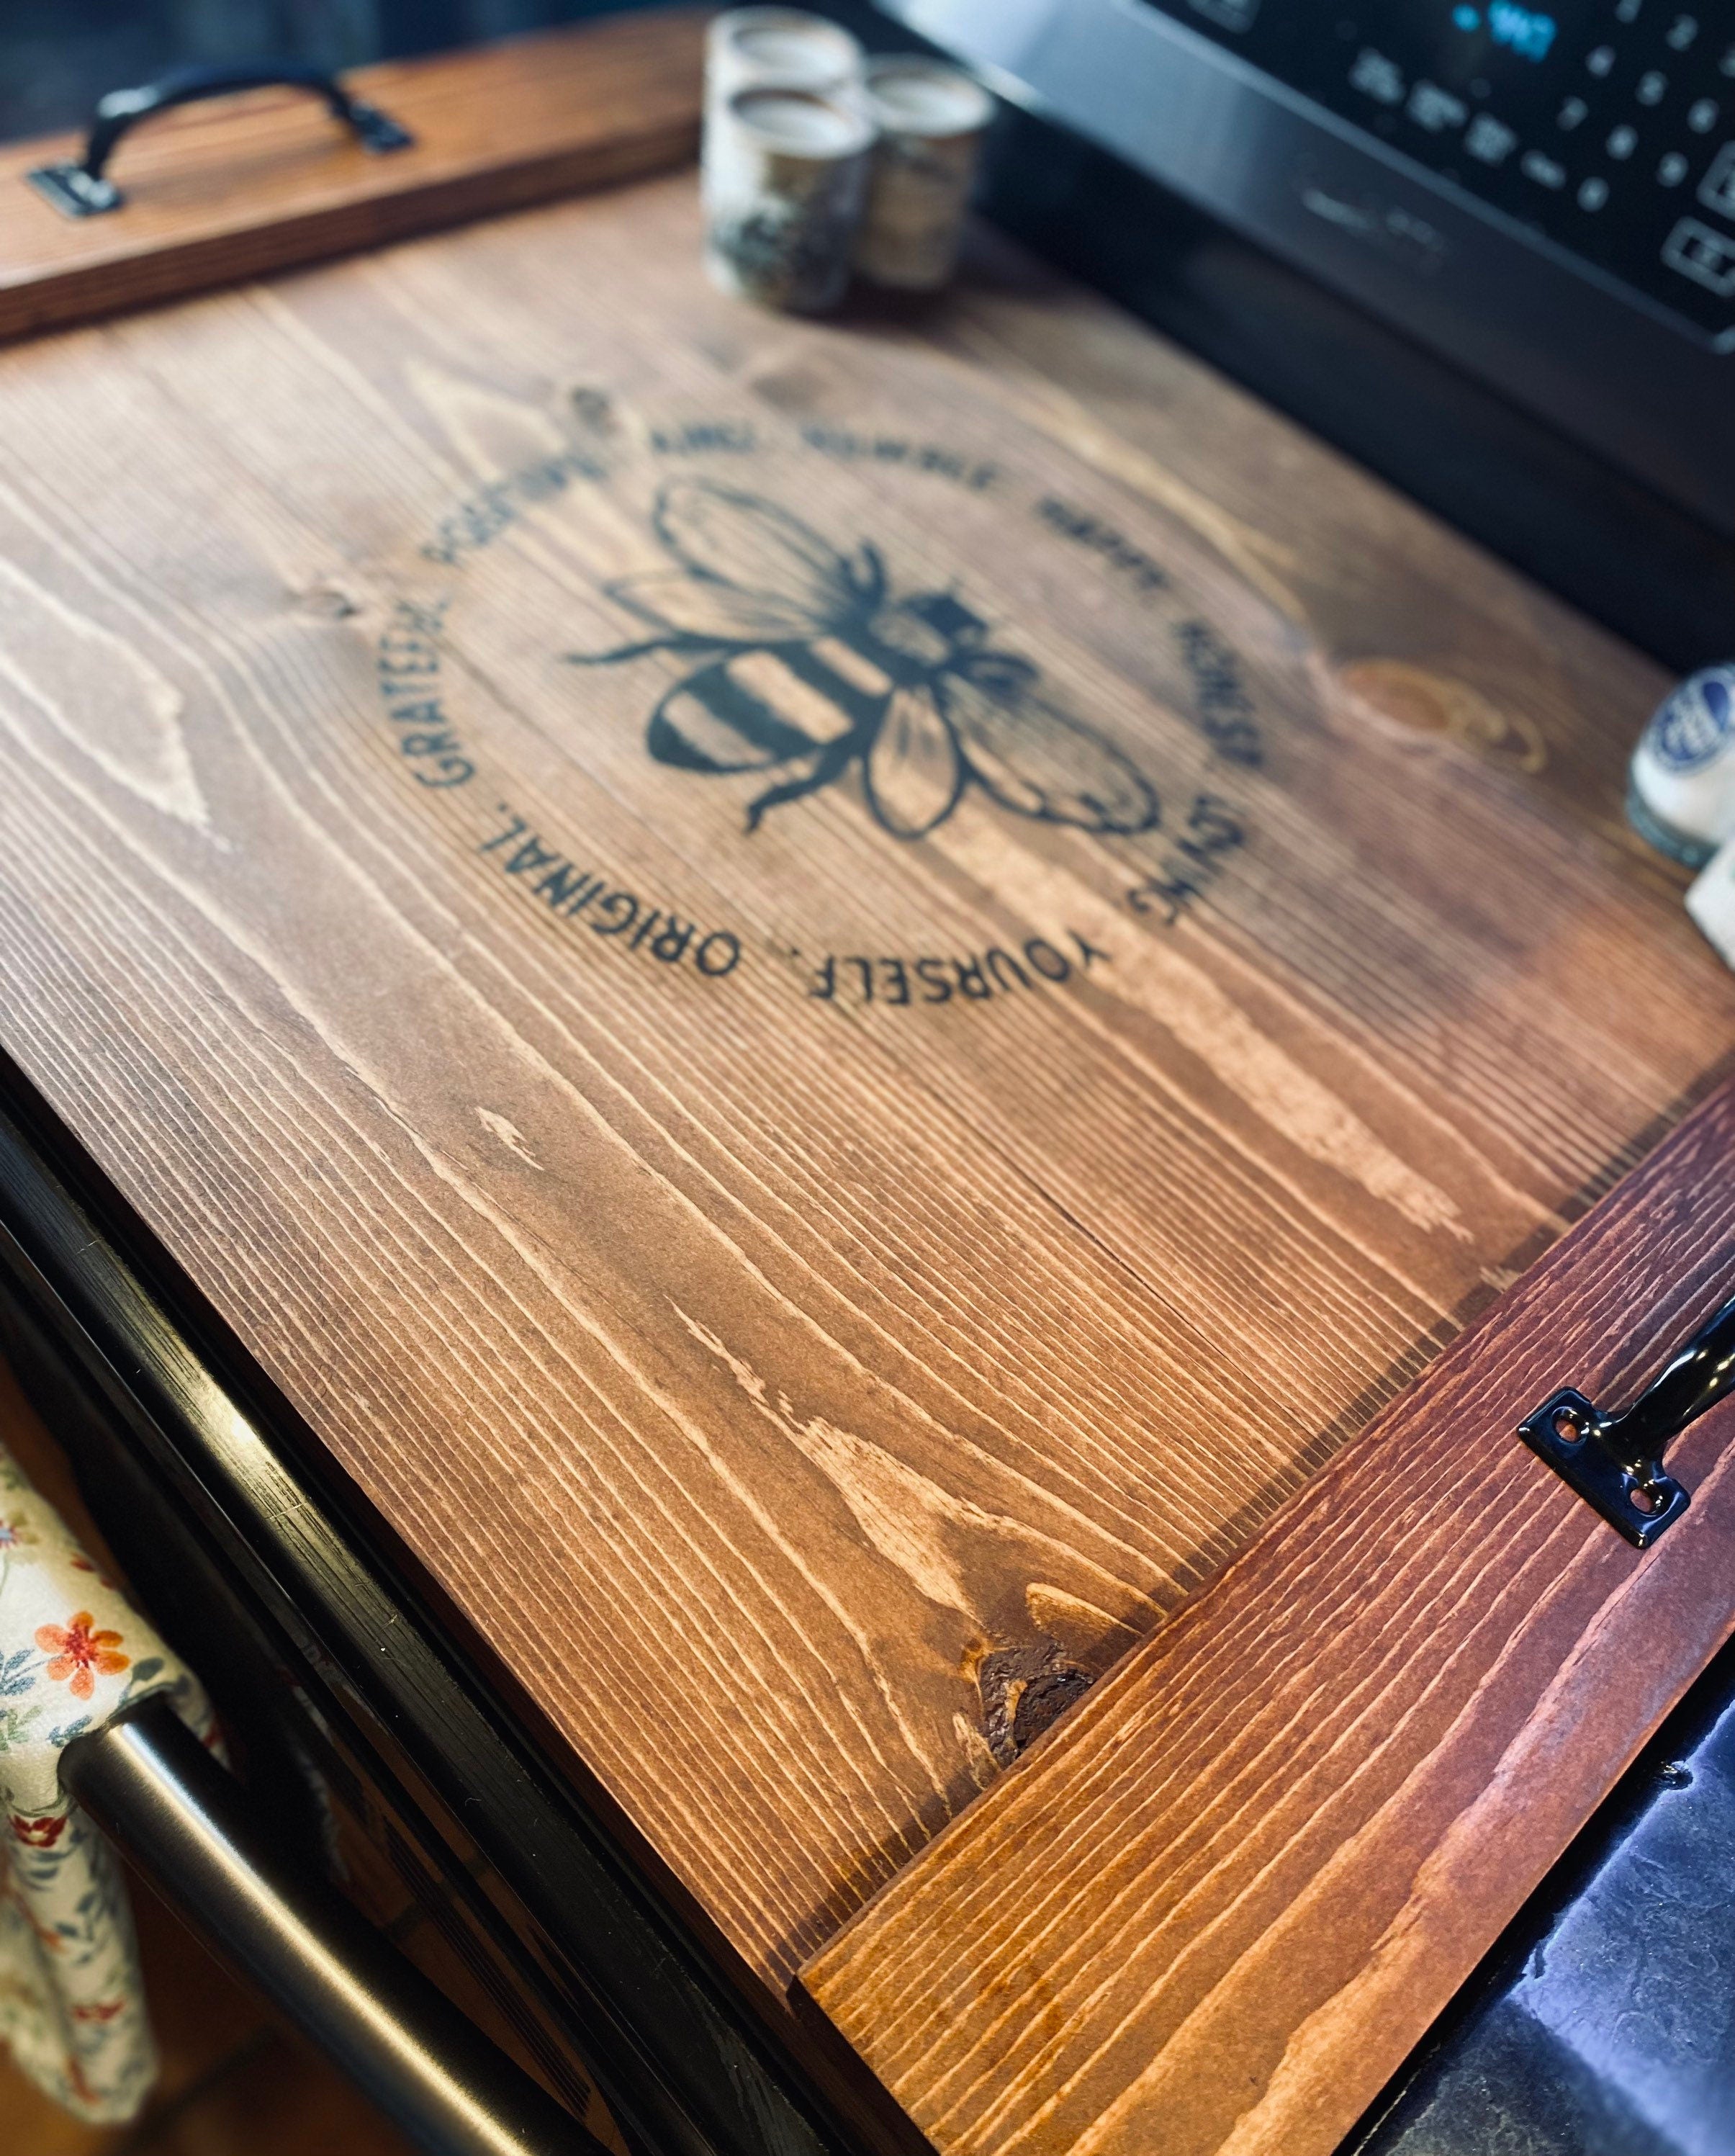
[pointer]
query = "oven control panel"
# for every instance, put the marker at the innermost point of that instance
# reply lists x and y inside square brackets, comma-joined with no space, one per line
[1606,125]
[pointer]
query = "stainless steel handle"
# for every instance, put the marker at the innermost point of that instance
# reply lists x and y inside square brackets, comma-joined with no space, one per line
[188,1825]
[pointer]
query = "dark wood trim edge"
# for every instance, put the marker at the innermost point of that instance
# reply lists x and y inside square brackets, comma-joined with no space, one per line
[638,115]
[684,2063]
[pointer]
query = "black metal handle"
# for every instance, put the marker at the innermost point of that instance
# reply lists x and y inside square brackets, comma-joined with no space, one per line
[1614,1462]
[188,1825]
[1699,1377]
[83,189]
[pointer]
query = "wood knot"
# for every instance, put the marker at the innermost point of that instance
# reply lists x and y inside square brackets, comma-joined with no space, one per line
[1424,703]
[1026,1690]
[326,602]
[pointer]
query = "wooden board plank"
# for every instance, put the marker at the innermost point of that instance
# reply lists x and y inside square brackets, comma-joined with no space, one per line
[234,187]
[1216,1910]
[778,1378]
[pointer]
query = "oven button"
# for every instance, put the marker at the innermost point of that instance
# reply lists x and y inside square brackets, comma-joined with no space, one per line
[1622,142]
[1436,109]
[1701,115]
[1601,61]
[1593,192]
[1652,87]
[1702,255]
[1717,190]
[1671,169]
[1376,76]
[1489,139]
[1534,166]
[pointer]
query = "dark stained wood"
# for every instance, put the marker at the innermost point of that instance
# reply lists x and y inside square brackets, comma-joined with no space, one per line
[1218,1909]
[790,1387]
[22,1434]
[239,186]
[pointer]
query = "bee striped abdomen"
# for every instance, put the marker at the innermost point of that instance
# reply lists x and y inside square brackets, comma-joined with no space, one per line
[767,706]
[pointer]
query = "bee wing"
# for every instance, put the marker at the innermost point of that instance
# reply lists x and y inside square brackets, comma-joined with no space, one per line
[914,773]
[709,613]
[726,540]
[1038,760]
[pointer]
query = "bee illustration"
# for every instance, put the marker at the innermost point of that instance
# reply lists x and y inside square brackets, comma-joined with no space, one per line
[810,665]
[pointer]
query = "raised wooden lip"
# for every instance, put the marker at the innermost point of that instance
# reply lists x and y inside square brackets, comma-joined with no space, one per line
[1217,1907]
[848,1972]
[219,191]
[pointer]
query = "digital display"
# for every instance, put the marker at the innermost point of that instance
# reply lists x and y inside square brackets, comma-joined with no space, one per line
[1608,126]
[1519,29]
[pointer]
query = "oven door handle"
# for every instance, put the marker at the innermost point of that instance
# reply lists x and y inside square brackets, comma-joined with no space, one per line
[189,1826]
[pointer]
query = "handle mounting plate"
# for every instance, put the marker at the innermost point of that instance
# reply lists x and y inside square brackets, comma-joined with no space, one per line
[1614,1462]
[1573,1435]
[72,190]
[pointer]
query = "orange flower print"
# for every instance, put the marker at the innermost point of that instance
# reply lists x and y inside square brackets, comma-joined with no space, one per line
[77,1651]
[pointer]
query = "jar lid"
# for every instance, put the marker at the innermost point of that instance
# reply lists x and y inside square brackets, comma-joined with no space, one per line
[797,123]
[786,45]
[909,94]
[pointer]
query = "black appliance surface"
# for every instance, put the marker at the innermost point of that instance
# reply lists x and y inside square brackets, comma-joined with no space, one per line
[1539,343]
[1600,134]
[1554,206]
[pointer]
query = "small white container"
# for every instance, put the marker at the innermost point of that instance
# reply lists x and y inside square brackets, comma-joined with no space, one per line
[766,48]
[782,223]
[1711,901]
[930,119]
[1680,794]
[778,48]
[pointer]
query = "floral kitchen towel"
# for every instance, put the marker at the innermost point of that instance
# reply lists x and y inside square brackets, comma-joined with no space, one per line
[73,1651]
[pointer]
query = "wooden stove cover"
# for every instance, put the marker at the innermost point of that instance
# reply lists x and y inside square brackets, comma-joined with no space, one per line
[813,1296]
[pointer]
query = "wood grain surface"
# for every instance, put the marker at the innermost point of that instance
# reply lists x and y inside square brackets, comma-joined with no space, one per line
[806,1395]
[1218,1909]
[238,186]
